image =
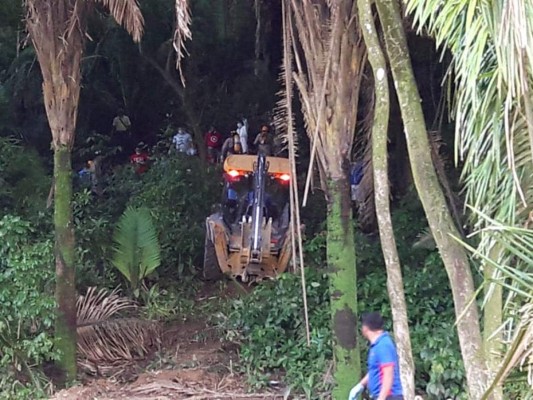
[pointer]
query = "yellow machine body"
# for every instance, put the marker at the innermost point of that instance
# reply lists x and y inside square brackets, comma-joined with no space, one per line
[229,247]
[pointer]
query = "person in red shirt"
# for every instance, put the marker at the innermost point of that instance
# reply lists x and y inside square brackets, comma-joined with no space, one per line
[139,160]
[213,143]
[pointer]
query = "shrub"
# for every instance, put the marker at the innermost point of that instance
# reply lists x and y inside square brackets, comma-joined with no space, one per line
[269,323]
[438,362]
[24,183]
[28,308]
[180,194]
[136,252]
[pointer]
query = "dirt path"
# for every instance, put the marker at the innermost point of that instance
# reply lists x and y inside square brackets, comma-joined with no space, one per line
[193,364]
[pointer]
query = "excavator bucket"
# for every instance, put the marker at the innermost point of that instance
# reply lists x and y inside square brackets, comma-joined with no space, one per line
[250,238]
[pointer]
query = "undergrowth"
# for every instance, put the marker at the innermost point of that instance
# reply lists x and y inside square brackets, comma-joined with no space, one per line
[269,325]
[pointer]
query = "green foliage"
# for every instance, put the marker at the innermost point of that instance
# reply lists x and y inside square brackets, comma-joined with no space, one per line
[137,253]
[180,194]
[439,369]
[169,303]
[28,308]
[269,323]
[24,183]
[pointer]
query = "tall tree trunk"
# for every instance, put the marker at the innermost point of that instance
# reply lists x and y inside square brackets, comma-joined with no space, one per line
[492,320]
[382,198]
[329,57]
[65,331]
[56,29]
[343,284]
[433,200]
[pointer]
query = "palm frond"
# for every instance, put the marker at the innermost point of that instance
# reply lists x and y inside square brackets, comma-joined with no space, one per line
[118,340]
[491,44]
[366,210]
[425,240]
[97,306]
[182,32]
[127,14]
[137,252]
[283,114]
[105,335]
[328,52]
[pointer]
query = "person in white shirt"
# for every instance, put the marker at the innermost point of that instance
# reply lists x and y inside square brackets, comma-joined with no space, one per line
[243,134]
[121,123]
[182,141]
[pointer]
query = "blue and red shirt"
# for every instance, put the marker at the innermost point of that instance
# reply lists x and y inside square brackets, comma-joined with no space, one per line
[382,354]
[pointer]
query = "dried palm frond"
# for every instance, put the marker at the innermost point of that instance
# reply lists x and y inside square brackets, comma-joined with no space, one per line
[97,306]
[104,335]
[182,32]
[172,388]
[127,14]
[286,112]
[118,339]
[328,53]
[283,115]
[366,207]
[425,240]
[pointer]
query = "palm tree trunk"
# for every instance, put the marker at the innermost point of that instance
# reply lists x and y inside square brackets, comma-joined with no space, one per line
[382,196]
[492,321]
[65,328]
[433,200]
[342,283]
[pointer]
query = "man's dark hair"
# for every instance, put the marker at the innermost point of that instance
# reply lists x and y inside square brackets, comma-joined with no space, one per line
[373,321]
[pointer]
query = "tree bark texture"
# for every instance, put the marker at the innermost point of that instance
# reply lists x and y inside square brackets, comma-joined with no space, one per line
[65,329]
[492,320]
[343,284]
[57,31]
[382,199]
[329,57]
[432,198]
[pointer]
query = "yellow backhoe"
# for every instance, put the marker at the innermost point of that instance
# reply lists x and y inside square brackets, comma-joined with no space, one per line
[249,237]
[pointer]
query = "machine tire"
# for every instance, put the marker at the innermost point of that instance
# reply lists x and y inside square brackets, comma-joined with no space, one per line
[211,270]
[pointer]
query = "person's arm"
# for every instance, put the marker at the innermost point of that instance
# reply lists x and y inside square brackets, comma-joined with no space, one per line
[364,381]
[387,372]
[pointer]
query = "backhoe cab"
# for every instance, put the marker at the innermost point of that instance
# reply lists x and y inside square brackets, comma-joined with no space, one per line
[249,238]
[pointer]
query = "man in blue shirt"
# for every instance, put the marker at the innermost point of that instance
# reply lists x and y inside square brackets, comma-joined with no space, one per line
[383,377]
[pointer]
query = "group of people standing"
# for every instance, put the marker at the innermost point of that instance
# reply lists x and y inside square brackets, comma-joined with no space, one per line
[237,142]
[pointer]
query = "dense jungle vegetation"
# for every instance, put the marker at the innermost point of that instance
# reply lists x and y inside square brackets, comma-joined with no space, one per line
[438,239]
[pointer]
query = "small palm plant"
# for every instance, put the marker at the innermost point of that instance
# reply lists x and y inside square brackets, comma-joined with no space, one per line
[137,253]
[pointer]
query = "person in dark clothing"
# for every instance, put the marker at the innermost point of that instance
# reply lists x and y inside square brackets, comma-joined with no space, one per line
[263,142]
[232,145]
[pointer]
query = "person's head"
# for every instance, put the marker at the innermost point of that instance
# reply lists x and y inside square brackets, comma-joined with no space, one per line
[372,325]
[138,150]
[212,128]
[264,129]
[180,130]
[120,112]
[239,124]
